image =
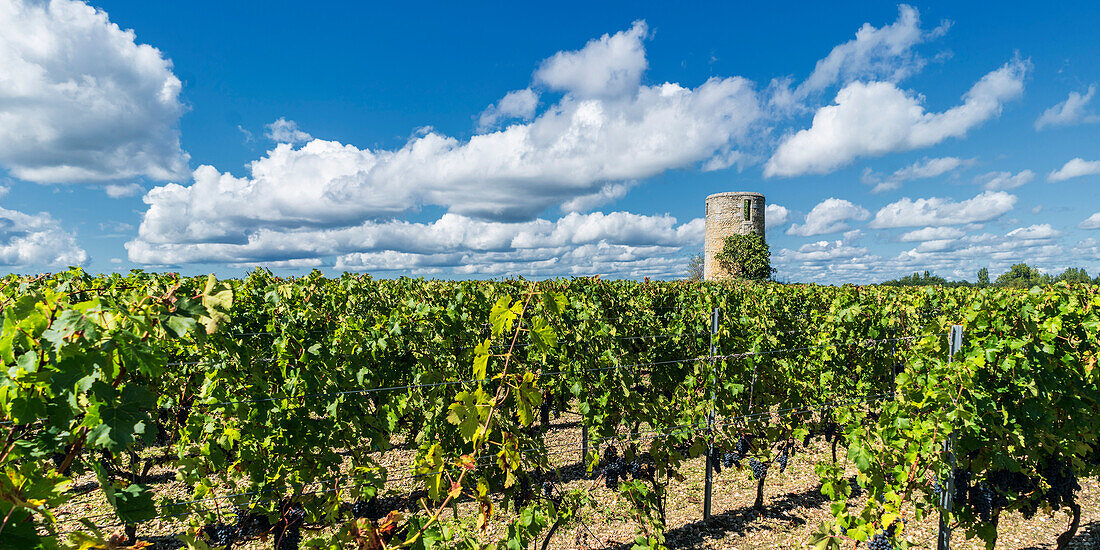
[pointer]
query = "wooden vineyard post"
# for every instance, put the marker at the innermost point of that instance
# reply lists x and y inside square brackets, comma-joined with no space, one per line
[708,485]
[947,486]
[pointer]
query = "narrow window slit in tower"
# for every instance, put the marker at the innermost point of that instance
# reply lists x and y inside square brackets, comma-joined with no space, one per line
[748,212]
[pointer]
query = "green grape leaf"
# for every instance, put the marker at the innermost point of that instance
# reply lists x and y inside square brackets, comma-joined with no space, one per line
[859,456]
[180,325]
[529,397]
[501,316]
[134,503]
[120,418]
[481,360]
[19,531]
[543,335]
[464,414]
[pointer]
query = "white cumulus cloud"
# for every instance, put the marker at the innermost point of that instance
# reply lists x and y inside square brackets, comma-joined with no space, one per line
[36,240]
[1075,168]
[1091,222]
[517,104]
[456,242]
[879,53]
[1088,249]
[118,190]
[1034,232]
[286,131]
[607,194]
[1074,110]
[948,252]
[936,211]
[875,118]
[997,181]
[932,234]
[829,216]
[775,216]
[570,151]
[280,264]
[608,66]
[922,169]
[81,100]
[963,257]
[587,149]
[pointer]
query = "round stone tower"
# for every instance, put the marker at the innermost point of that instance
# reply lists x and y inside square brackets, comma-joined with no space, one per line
[733,213]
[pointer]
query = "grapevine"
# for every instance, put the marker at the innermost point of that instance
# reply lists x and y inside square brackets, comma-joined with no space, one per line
[234,383]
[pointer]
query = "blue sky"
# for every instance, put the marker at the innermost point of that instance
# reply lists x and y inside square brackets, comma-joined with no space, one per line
[459,141]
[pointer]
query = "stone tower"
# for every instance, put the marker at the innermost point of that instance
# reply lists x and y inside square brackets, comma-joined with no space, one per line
[733,213]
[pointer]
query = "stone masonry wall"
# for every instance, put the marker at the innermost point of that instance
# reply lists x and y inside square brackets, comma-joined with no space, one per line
[725,215]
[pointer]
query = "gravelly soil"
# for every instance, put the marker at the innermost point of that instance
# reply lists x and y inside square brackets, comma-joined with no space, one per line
[793,509]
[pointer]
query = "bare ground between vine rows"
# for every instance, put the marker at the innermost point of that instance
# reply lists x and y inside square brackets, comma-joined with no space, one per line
[793,508]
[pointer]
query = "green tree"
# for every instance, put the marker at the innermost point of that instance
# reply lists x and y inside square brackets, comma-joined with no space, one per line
[924,279]
[1074,275]
[695,268]
[983,276]
[917,279]
[747,257]
[1022,276]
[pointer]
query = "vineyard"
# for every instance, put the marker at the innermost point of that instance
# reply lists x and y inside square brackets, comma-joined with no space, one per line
[375,414]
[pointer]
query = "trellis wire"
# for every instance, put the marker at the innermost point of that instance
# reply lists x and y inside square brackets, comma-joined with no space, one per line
[634,436]
[680,429]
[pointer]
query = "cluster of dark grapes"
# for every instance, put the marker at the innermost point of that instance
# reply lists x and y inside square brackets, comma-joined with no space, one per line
[548,489]
[759,469]
[828,430]
[1005,482]
[729,460]
[289,539]
[982,496]
[983,499]
[1063,483]
[987,496]
[733,458]
[716,459]
[288,532]
[640,469]
[368,508]
[881,541]
[962,486]
[248,525]
[220,534]
[785,454]
[613,468]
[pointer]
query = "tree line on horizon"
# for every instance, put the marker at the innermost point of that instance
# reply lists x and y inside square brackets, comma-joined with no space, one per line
[1019,275]
[748,257]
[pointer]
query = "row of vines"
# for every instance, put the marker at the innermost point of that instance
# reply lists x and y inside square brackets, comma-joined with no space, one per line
[277,400]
